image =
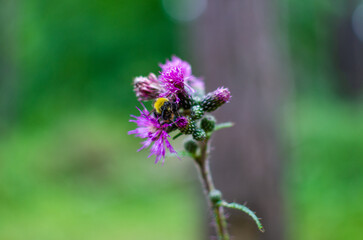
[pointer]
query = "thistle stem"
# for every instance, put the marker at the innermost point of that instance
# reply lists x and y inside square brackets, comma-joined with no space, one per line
[202,162]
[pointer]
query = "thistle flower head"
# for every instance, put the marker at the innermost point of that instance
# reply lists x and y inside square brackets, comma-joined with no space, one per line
[147,88]
[181,122]
[155,133]
[222,94]
[177,62]
[173,82]
[216,99]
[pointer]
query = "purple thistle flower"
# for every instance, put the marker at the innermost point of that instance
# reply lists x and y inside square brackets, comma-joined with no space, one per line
[173,82]
[147,88]
[154,132]
[176,77]
[177,62]
[194,82]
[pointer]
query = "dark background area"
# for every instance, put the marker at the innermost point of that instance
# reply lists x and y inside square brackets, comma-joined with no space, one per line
[68,169]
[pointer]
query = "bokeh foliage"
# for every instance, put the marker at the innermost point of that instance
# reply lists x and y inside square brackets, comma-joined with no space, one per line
[323,171]
[74,54]
[68,168]
[325,184]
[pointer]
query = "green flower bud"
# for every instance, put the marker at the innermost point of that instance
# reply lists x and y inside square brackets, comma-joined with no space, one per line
[197,112]
[191,146]
[208,123]
[199,134]
[215,196]
[189,128]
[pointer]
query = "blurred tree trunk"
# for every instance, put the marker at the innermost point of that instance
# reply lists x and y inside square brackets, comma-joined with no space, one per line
[348,54]
[7,65]
[236,46]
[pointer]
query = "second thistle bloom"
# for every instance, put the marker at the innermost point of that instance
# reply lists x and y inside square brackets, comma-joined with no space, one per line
[154,132]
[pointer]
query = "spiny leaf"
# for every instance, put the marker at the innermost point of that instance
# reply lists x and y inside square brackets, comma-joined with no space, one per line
[244,209]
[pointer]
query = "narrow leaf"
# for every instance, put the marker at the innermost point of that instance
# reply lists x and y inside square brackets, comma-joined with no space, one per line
[178,135]
[223,125]
[244,209]
[185,154]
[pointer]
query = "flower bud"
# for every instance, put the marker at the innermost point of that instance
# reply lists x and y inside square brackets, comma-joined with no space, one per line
[197,112]
[199,134]
[147,88]
[208,123]
[215,196]
[191,146]
[216,99]
[188,127]
[181,122]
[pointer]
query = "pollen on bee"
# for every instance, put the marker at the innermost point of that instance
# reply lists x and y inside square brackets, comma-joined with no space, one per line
[159,103]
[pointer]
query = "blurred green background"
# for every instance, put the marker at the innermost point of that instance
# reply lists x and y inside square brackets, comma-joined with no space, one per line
[68,169]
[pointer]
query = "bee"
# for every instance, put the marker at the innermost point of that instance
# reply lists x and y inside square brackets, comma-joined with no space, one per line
[165,109]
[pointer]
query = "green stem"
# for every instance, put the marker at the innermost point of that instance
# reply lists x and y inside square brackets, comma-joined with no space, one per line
[203,165]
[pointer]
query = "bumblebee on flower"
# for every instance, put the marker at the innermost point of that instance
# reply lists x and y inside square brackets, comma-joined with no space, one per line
[165,109]
[179,104]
